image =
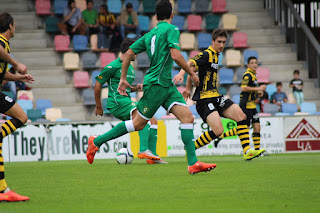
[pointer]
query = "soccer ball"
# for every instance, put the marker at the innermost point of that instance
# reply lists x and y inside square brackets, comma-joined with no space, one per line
[124,156]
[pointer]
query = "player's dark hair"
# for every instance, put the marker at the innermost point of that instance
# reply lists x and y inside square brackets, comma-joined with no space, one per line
[89,1]
[219,32]
[104,7]
[126,44]
[163,9]
[251,58]
[5,20]
[278,84]
[70,2]
[296,72]
[129,5]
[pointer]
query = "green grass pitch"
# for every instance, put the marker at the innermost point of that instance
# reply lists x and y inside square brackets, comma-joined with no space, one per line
[278,183]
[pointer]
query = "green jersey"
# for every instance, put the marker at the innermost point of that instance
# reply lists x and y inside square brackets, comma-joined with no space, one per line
[111,74]
[157,44]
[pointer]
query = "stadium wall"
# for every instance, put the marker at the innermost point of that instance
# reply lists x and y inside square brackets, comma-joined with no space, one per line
[44,142]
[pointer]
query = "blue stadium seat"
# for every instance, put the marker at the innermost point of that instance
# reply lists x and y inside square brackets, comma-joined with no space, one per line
[289,108]
[204,40]
[236,99]
[89,60]
[63,120]
[97,4]
[222,90]
[138,78]
[93,77]
[51,24]
[143,60]
[144,23]
[25,104]
[104,106]
[184,6]
[59,6]
[308,107]
[88,97]
[282,114]
[160,112]
[220,59]
[135,4]
[34,114]
[249,53]
[202,6]
[43,104]
[226,76]
[194,111]
[149,6]
[178,21]
[185,55]
[174,73]
[271,89]
[114,6]
[271,108]
[80,43]
[240,71]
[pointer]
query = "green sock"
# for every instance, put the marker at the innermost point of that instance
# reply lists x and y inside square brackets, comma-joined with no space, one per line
[188,140]
[153,139]
[115,132]
[144,138]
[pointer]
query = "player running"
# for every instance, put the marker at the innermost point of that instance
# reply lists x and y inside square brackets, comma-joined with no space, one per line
[210,104]
[162,47]
[7,104]
[123,108]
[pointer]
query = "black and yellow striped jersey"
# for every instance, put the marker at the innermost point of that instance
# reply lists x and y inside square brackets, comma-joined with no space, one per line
[107,19]
[3,65]
[207,64]
[248,99]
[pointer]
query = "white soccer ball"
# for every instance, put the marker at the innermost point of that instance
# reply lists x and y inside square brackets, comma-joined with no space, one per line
[124,156]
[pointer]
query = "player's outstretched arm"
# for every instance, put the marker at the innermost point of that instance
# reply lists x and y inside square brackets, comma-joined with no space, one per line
[21,68]
[97,98]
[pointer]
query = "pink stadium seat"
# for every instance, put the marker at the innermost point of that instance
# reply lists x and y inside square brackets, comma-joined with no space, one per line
[61,43]
[81,79]
[194,53]
[43,7]
[219,6]
[240,40]
[194,23]
[264,114]
[106,58]
[263,75]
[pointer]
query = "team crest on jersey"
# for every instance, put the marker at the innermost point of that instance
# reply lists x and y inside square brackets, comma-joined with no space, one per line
[214,65]
[133,104]
[100,77]
[145,110]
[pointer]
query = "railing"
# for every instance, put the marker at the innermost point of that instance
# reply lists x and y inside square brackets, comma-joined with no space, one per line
[298,33]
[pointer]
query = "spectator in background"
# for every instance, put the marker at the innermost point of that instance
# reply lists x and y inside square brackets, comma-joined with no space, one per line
[106,20]
[129,21]
[13,86]
[297,84]
[72,23]
[262,99]
[90,19]
[279,97]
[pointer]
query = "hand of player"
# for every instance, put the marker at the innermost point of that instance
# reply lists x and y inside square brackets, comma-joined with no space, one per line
[27,78]
[260,93]
[262,87]
[195,79]
[139,88]
[178,79]
[186,94]
[99,111]
[21,68]
[123,85]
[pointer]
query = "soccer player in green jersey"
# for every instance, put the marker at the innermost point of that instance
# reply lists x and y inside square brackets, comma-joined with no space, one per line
[162,47]
[122,107]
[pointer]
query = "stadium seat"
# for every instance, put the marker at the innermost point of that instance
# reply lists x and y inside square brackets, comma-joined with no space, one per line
[229,22]
[201,6]
[94,42]
[271,108]
[59,6]
[174,73]
[264,114]
[93,77]
[193,53]
[219,6]
[289,108]
[308,107]
[194,111]
[53,114]
[160,112]
[62,43]
[104,93]
[194,23]
[236,99]
[263,75]
[25,105]
[168,116]
[149,6]
[143,60]
[291,99]
[71,61]
[135,4]
[104,106]
[89,60]
[281,114]
[10,94]
[271,89]
[106,58]
[249,53]
[185,56]
[63,120]
[97,3]
[220,59]
[81,4]
[226,76]
[25,95]
[138,78]
[51,23]
[239,72]
[187,41]
[144,23]
[34,114]
[43,7]
[80,42]
[114,6]
[184,6]
[233,58]
[300,113]
[212,22]
[88,97]
[204,40]
[81,79]
[43,104]
[178,21]
[234,90]
[222,90]
[240,40]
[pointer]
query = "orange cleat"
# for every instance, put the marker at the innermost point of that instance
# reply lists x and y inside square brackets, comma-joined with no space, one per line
[156,161]
[11,196]
[92,149]
[148,154]
[201,167]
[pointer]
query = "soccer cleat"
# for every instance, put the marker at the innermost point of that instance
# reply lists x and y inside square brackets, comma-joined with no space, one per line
[148,154]
[253,154]
[216,141]
[156,161]
[11,196]
[92,149]
[200,167]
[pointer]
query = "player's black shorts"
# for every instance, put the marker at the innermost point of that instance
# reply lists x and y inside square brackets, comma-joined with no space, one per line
[209,105]
[252,115]
[5,103]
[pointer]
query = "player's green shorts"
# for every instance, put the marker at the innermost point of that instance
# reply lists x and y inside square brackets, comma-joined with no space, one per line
[124,109]
[155,96]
